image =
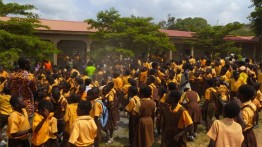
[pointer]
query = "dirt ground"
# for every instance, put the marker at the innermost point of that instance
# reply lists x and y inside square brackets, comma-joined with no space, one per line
[121,135]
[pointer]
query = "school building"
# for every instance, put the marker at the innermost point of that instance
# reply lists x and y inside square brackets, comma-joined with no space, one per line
[75,37]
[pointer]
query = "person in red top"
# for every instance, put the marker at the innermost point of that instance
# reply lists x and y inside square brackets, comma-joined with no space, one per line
[48,65]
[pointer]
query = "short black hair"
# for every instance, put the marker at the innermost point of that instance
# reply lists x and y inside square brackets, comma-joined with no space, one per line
[44,104]
[84,106]
[246,92]
[174,96]
[14,100]
[145,92]
[172,86]
[74,98]
[133,90]
[88,81]
[22,62]
[231,110]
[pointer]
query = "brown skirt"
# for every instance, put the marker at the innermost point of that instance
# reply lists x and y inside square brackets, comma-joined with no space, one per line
[249,139]
[194,111]
[144,136]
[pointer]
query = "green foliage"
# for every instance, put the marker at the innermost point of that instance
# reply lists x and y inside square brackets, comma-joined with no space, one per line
[212,39]
[187,24]
[128,35]
[245,30]
[7,58]
[17,35]
[16,9]
[256,17]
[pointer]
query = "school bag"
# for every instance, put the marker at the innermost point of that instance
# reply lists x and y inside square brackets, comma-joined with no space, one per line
[104,117]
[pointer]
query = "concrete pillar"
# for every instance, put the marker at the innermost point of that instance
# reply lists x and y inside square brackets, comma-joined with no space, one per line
[170,55]
[88,49]
[254,52]
[192,51]
[55,41]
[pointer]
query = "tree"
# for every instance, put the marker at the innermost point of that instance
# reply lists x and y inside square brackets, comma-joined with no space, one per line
[245,30]
[128,35]
[169,24]
[187,24]
[191,24]
[17,35]
[212,39]
[256,17]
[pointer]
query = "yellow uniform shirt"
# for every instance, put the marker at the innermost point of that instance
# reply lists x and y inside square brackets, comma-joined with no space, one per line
[208,93]
[223,91]
[53,128]
[83,131]
[143,76]
[184,98]
[118,83]
[178,78]
[97,109]
[163,98]
[17,122]
[42,135]
[5,106]
[70,116]
[226,133]
[185,119]
[248,114]
[4,74]
[235,84]
[132,104]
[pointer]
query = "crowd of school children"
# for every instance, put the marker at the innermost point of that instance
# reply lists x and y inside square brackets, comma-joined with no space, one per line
[165,100]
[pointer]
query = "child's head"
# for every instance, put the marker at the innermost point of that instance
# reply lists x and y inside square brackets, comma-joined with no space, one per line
[44,107]
[83,108]
[174,97]
[132,91]
[145,92]
[56,92]
[17,102]
[172,86]
[246,93]
[231,110]
[88,81]
[93,93]
[74,98]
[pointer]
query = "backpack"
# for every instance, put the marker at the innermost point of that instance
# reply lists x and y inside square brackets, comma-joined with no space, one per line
[104,117]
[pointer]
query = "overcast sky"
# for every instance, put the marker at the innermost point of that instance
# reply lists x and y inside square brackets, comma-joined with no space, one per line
[214,11]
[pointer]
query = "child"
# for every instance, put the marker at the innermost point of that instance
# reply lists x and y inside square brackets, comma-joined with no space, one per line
[226,132]
[144,135]
[192,104]
[84,130]
[5,108]
[18,128]
[70,116]
[41,123]
[133,116]
[176,122]
[247,117]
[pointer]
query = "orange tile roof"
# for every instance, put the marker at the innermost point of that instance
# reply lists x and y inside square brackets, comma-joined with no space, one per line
[62,25]
[79,26]
[176,33]
[242,38]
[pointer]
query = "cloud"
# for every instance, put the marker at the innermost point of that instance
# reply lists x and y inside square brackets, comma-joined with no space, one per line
[223,10]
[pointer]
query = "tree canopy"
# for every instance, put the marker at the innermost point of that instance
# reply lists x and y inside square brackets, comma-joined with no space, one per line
[212,39]
[128,35]
[17,35]
[187,24]
[256,17]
